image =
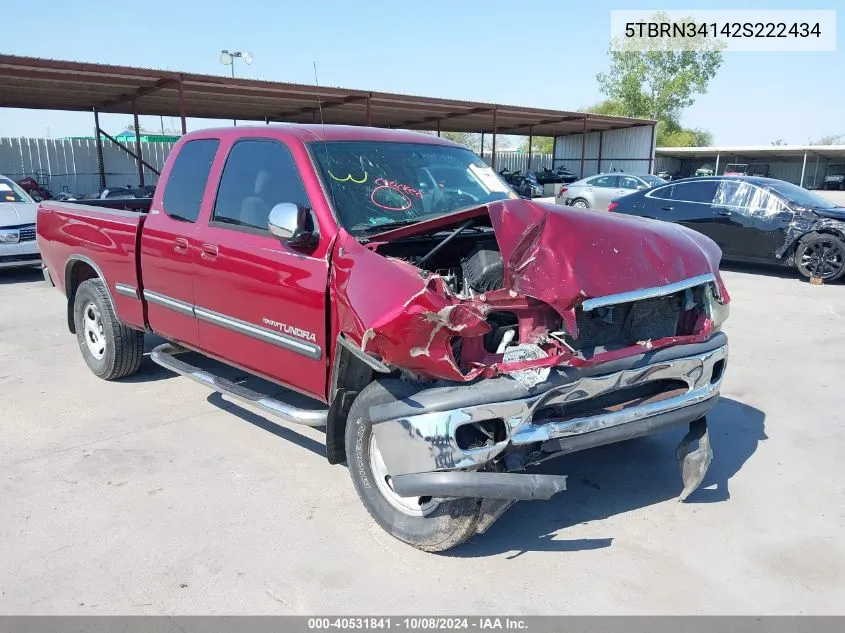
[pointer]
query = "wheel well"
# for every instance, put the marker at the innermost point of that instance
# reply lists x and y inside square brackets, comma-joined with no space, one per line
[349,377]
[76,272]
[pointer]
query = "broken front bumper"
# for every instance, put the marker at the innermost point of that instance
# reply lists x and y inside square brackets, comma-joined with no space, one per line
[419,434]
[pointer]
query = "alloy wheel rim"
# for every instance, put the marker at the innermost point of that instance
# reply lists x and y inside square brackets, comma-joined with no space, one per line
[95,336]
[823,259]
[411,506]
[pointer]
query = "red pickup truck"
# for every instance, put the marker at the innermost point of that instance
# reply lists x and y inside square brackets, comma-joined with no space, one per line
[447,333]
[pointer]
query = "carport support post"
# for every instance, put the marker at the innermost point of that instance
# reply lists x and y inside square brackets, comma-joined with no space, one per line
[816,171]
[100,165]
[493,149]
[650,150]
[583,146]
[482,145]
[601,140]
[438,128]
[369,112]
[530,139]
[716,171]
[182,106]
[138,144]
[803,168]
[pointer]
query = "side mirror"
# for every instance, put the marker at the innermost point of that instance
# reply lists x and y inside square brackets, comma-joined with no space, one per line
[294,225]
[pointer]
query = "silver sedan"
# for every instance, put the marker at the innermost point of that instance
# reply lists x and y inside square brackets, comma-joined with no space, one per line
[596,192]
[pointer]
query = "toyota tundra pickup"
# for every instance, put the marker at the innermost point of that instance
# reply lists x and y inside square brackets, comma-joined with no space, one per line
[447,334]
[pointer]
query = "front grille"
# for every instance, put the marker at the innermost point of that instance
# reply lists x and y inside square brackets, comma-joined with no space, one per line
[625,324]
[27,234]
[4,259]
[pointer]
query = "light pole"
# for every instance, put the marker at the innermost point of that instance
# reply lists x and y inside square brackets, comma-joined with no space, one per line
[227,58]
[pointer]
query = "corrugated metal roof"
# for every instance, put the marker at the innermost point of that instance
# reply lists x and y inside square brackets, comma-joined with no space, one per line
[28,82]
[754,151]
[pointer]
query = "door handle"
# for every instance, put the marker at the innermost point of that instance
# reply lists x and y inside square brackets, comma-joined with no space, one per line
[723,212]
[666,208]
[208,251]
[180,245]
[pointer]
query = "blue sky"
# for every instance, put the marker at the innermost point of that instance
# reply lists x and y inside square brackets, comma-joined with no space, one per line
[543,54]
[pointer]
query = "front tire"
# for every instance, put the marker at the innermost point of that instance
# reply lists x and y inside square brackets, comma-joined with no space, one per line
[820,255]
[580,203]
[110,349]
[432,525]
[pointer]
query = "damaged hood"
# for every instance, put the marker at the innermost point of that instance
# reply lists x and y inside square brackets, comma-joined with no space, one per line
[562,255]
[837,213]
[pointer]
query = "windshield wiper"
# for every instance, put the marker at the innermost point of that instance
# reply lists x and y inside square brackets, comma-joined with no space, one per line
[384,226]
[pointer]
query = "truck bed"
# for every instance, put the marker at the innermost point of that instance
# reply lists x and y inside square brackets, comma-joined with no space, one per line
[75,238]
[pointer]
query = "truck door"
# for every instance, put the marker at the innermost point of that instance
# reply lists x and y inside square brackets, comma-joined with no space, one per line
[169,242]
[260,304]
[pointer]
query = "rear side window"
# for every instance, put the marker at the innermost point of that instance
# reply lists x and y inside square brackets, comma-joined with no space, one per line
[604,181]
[258,175]
[695,191]
[188,176]
[629,182]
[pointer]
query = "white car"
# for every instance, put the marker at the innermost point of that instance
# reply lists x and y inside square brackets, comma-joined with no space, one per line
[17,226]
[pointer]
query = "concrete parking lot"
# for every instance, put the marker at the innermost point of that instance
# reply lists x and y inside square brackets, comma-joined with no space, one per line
[151,496]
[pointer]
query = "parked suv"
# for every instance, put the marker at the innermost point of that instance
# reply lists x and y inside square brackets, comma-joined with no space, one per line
[17,226]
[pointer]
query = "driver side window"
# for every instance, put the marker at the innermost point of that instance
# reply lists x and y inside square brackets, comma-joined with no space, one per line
[258,175]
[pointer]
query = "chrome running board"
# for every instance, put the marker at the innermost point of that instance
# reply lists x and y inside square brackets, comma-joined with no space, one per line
[165,355]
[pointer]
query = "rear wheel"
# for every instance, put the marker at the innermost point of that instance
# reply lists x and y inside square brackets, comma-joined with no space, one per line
[432,525]
[110,349]
[580,203]
[820,255]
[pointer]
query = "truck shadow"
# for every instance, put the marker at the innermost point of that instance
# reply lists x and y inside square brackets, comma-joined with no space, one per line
[768,270]
[20,275]
[267,425]
[149,371]
[618,478]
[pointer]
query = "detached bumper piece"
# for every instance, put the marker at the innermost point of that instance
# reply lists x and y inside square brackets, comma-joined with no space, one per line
[511,486]
[694,456]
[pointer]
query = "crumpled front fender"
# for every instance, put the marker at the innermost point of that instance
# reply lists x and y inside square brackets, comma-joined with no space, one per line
[396,314]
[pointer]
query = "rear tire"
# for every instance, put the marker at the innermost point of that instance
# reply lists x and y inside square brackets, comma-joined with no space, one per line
[431,525]
[820,255]
[110,349]
[580,203]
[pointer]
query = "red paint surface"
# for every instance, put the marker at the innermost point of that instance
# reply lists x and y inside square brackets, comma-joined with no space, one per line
[554,258]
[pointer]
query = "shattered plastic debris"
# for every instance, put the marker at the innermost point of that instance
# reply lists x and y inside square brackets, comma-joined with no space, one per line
[522,353]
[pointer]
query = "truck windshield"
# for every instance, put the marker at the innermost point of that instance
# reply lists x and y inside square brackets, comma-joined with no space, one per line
[381,183]
[12,192]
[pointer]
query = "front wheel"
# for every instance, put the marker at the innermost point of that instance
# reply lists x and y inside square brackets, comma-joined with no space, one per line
[820,255]
[580,203]
[111,349]
[432,525]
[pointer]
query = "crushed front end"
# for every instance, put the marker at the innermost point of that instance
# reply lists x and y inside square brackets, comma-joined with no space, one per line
[533,332]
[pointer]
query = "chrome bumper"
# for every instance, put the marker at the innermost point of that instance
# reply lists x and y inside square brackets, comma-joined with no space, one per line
[427,442]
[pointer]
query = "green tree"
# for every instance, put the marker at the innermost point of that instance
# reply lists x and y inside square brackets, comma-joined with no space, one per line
[830,139]
[539,144]
[670,133]
[658,78]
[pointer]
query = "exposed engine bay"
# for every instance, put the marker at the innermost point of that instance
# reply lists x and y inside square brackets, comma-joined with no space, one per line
[526,336]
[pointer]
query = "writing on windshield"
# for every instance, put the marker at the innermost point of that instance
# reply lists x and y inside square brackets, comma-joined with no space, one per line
[371,183]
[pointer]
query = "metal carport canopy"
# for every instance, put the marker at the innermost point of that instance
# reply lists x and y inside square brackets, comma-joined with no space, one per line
[27,82]
[754,151]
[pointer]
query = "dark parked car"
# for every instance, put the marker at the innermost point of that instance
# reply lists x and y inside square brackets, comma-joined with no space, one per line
[752,219]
